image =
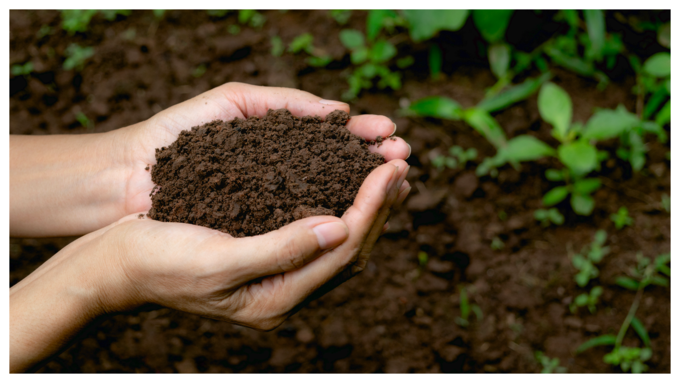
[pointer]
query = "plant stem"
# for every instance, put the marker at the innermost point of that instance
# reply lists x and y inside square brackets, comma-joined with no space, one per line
[631,315]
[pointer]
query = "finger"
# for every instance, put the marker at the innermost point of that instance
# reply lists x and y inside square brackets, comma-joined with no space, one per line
[360,218]
[257,100]
[403,193]
[394,148]
[286,249]
[369,126]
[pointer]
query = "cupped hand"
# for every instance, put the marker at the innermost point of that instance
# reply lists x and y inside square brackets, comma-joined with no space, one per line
[227,102]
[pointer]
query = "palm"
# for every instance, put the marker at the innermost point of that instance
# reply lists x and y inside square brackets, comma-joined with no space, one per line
[225,103]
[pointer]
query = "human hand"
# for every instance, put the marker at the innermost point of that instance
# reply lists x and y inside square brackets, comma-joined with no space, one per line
[227,102]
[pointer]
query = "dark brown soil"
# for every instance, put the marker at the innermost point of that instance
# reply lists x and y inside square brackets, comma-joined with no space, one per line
[249,177]
[397,316]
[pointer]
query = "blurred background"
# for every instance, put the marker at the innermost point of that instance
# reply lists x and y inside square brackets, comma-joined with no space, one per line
[537,234]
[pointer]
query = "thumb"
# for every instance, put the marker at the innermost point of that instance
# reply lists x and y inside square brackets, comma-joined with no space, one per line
[289,248]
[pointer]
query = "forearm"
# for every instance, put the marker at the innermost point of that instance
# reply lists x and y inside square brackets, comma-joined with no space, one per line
[46,313]
[65,184]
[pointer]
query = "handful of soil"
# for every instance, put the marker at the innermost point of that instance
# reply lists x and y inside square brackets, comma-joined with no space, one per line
[249,177]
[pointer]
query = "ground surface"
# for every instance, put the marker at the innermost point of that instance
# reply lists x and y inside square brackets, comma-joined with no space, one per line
[395,317]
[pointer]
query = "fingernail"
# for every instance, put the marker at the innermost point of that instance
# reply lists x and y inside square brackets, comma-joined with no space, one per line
[402,177]
[393,180]
[395,129]
[332,102]
[409,151]
[385,227]
[330,234]
[402,196]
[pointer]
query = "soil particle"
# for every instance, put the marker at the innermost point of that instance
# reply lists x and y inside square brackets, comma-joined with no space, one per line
[249,177]
[466,184]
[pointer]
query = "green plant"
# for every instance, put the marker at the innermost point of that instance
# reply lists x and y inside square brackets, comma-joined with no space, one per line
[546,216]
[621,218]
[277,46]
[497,244]
[341,16]
[633,358]
[76,56]
[305,43]
[158,13]
[425,24]
[112,14]
[217,13]
[549,365]
[44,31]
[84,121]
[466,308]
[372,58]
[199,71]
[587,299]
[666,203]
[589,256]
[22,69]
[458,156]
[251,17]
[422,259]
[76,20]
[492,24]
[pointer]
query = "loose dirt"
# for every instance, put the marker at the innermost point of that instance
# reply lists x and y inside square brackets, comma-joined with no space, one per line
[252,176]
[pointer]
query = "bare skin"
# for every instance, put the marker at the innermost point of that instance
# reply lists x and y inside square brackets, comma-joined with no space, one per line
[71,185]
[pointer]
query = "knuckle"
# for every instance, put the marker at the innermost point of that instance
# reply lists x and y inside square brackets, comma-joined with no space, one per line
[290,256]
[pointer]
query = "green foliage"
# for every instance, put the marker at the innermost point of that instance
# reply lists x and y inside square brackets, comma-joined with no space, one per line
[422,259]
[378,19]
[465,309]
[251,18]
[547,216]
[458,157]
[607,123]
[666,203]
[519,149]
[589,256]
[621,218]
[492,23]
[44,31]
[499,59]
[22,69]
[112,14]
[84,121]
[658,65]
[549,365]
[76,20]
[218,13]
[436,106]
[629,358]
[587,299]
[305,43]
[277,46]
[199,71]
[486,125]
[76,56]
[372,58]
[341,16]
[435,61]
[158,13]
[497,244]
[425,24]
[554,105]
[513,94]
[647,273]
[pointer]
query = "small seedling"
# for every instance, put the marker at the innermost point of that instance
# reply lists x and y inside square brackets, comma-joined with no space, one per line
[621,218]
[217,13]
[549,365]
[305,43]
[422,259]
[44,31]
[585,299]
[647,273]
[234,29]
[76,56]
[84,121]
[666,203]
[458,157]
[22,69]
[277,46]
[251,17]
[341,16]
[629,358]
[590,255]
[547,216]
[497,244]
[76,20]
[465,309]
[199,71]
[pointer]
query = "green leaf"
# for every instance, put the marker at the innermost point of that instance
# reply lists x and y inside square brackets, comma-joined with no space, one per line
[595,25]
[628,283]
[571,16]
[301,43]
[664,115]
[554,175]
[375,21]
[658,65]
[555,195]
[586,185]
[555,107]
[513,94]
[525,148]
[351,38]
[499,59]
[382,51]
[603,340]
[435,60]
[640,330]
[581,300]
[492,23]
[609,123]
[436,106]
[555,216]
[575,64]
[359,56]
[486,125]
[664,35]
[582,204]
[580,157]
[424,24]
